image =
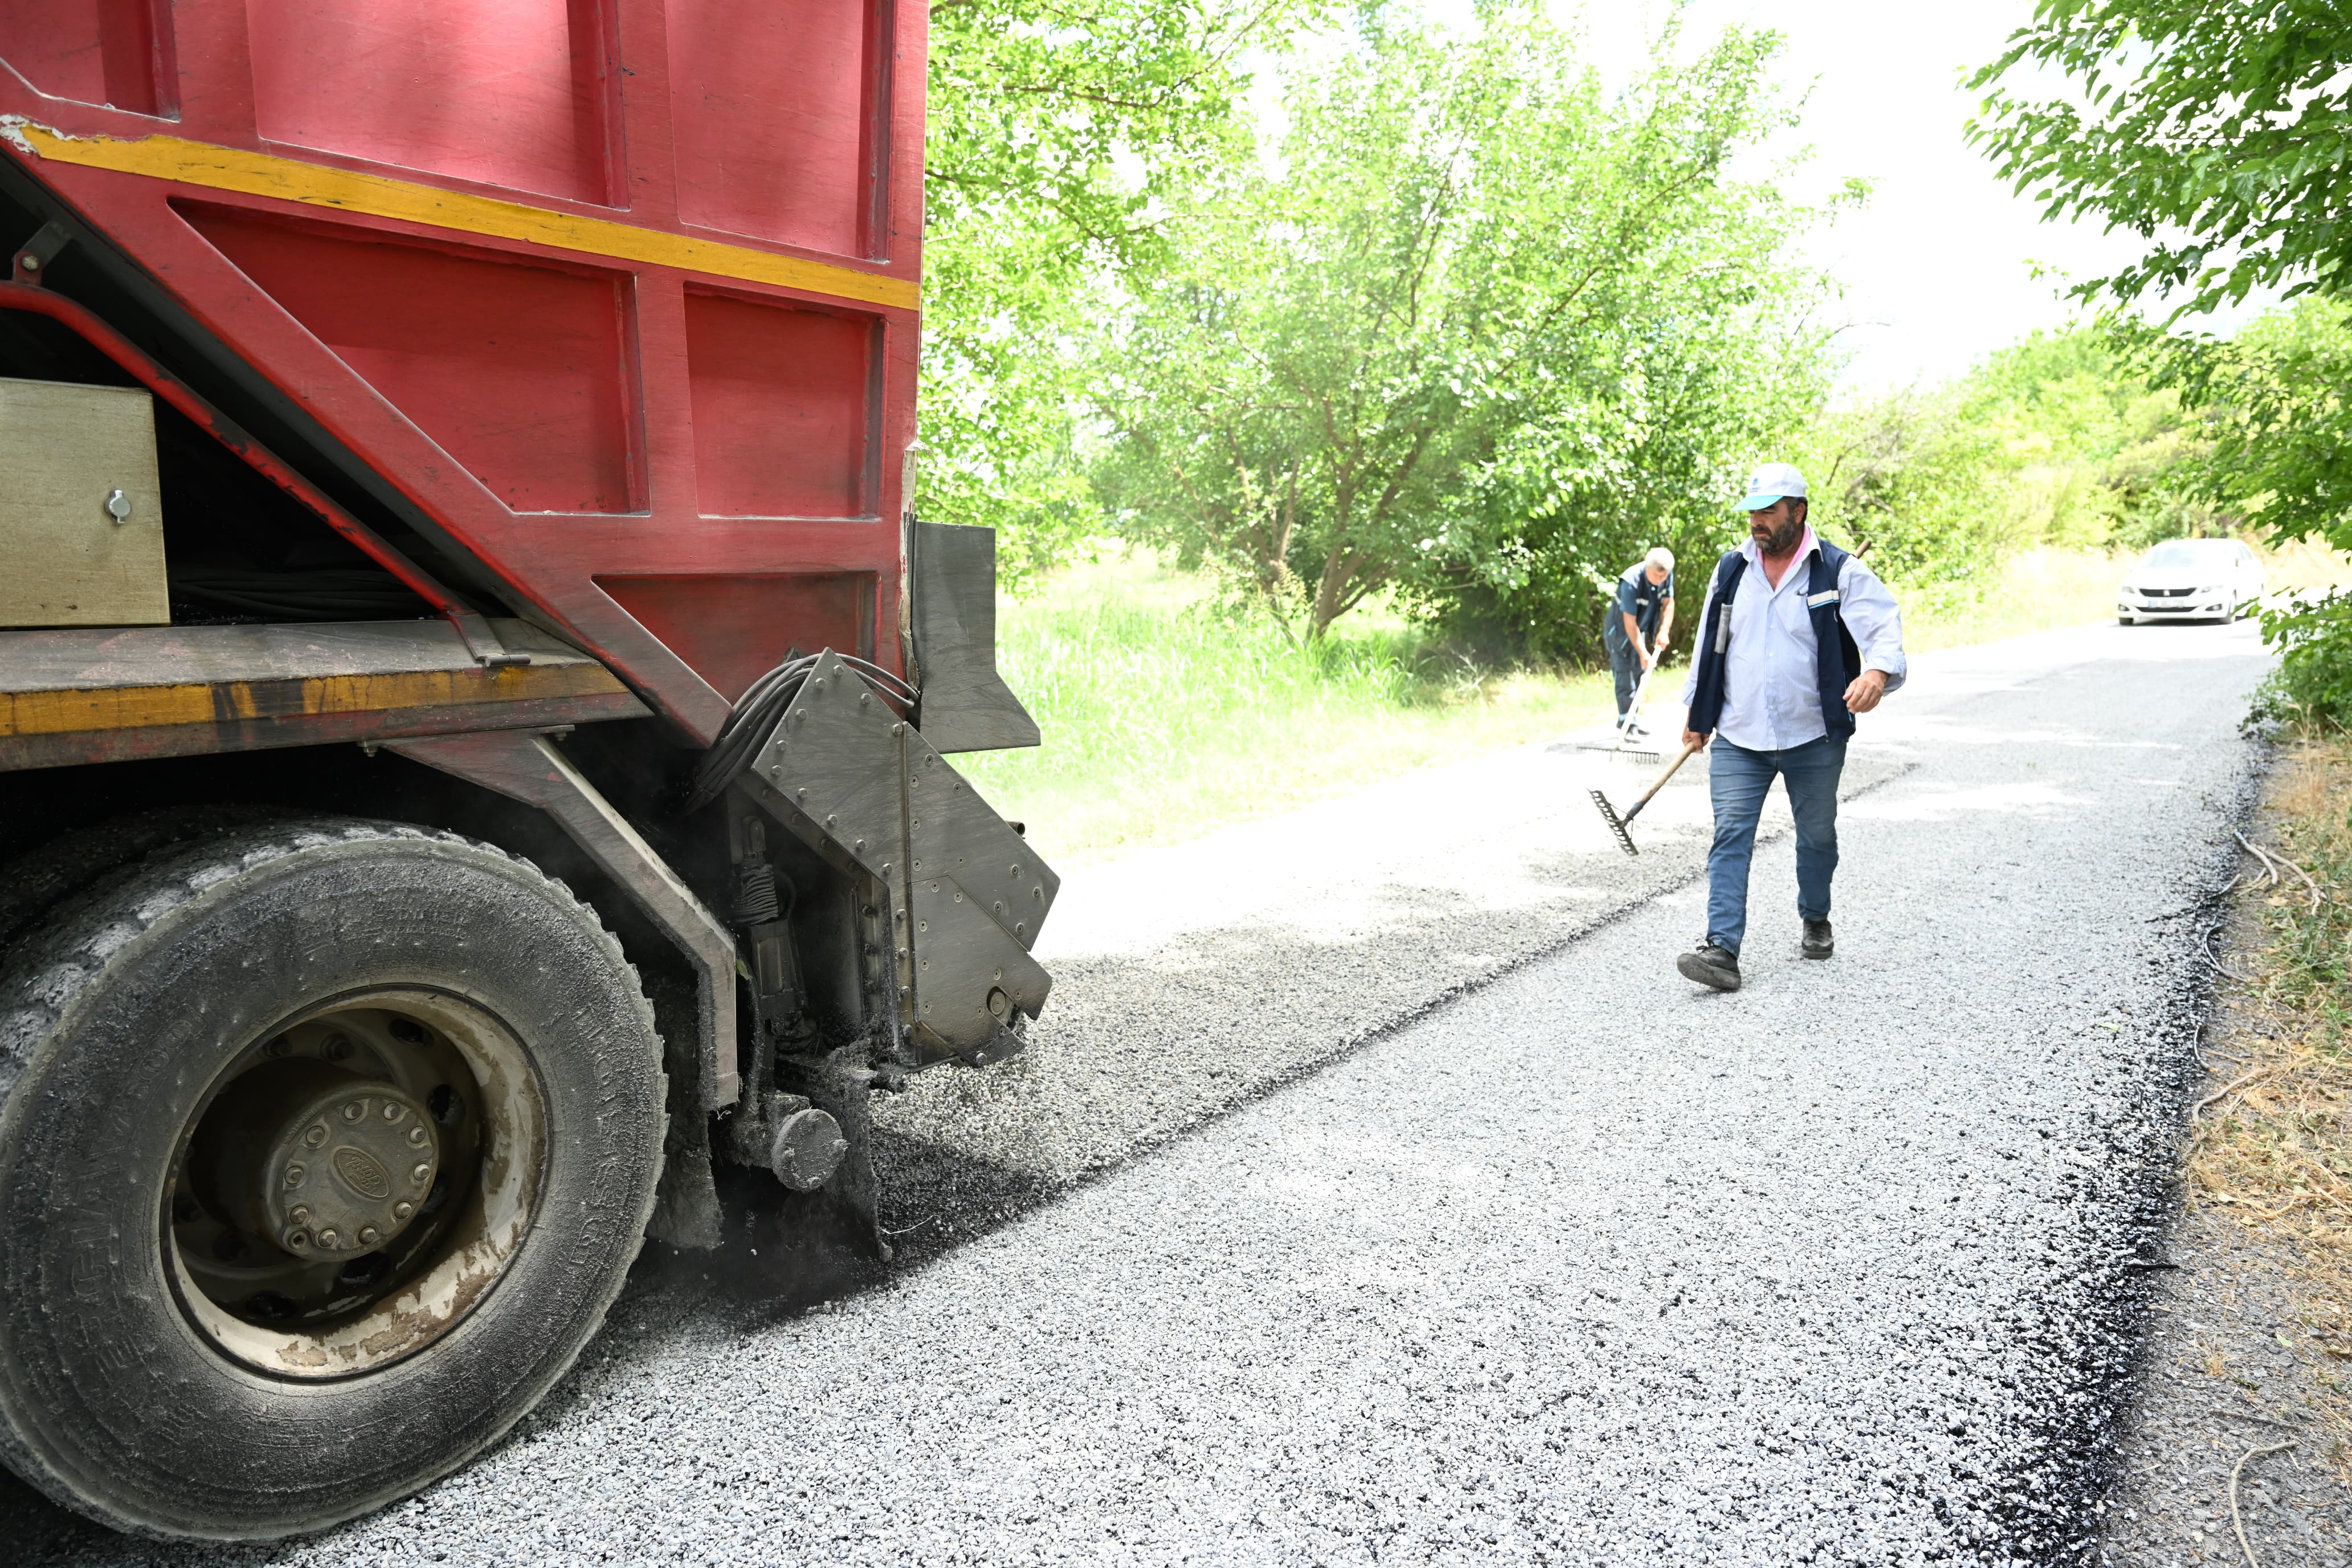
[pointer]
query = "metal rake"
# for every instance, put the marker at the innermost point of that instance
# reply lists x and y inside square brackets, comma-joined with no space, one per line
[1619,825]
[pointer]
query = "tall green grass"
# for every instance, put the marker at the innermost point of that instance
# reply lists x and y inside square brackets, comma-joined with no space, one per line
[1164,717]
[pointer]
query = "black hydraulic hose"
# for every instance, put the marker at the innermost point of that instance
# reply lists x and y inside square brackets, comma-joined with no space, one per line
[758,712]
[880,679]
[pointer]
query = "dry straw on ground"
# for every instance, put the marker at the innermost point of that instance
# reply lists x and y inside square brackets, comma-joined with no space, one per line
[2271,1147]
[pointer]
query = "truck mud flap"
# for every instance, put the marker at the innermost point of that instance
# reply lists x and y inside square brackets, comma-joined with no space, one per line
[968,896]
[967,707]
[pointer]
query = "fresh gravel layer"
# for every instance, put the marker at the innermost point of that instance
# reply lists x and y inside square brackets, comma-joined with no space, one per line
[1580,1265]
[1189,980]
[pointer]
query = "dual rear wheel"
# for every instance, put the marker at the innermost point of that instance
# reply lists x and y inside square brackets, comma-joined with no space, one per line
[324,1147]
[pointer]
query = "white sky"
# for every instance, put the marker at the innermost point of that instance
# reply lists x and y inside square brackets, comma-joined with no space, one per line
[1939,267]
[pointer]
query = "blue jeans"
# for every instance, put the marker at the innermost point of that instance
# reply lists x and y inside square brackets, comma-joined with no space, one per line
[1737,779]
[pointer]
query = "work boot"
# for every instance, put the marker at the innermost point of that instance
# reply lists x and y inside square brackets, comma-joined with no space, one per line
[1711,965]
[1818,941]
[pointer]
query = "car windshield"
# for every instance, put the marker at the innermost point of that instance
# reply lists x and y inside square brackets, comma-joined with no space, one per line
[2190,552]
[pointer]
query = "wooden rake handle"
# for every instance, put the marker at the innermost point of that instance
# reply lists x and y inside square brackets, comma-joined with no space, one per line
[1690,747]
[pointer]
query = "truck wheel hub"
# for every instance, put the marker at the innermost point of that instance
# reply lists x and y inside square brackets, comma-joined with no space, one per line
[358,1180]
[346,1169]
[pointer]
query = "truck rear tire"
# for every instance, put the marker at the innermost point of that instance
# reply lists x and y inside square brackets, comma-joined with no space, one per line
[324,1147]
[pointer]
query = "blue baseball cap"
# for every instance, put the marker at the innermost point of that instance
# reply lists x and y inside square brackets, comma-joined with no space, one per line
[1769,483]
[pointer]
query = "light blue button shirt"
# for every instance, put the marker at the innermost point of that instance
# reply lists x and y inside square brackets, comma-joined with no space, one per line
[1771,677]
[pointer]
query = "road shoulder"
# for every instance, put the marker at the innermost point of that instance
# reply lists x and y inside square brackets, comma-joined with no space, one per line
[2244,1349]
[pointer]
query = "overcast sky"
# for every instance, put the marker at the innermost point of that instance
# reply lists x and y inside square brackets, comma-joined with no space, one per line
[1938,267]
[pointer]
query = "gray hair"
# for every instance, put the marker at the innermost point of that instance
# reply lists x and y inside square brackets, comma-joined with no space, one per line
[1661,557]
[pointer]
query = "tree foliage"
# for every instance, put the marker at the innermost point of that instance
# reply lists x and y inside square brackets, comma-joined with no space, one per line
[1912,473]
[2092,452]
[2275,402]
[2058,440]
[1059,131]
[1480,326]
[2220,134]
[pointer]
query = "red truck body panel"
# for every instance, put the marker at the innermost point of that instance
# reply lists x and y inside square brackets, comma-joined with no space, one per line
[620,295]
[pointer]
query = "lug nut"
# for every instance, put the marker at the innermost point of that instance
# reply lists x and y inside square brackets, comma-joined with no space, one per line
[354,1111]
[317,1135]
[296,1240]
[393,1112]
[416,1137]
[327,1237]
[299,1214]
[368,1235]
[420,1174]
[294,1174]
[403,1209]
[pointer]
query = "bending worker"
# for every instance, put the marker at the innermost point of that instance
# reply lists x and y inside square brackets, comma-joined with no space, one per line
[1641,618]
[1797,637]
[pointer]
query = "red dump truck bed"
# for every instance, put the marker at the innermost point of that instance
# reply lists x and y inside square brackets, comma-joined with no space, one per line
[474,701]
[617,297]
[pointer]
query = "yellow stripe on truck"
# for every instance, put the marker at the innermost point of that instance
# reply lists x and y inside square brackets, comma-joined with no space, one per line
[150,707]
[346,190]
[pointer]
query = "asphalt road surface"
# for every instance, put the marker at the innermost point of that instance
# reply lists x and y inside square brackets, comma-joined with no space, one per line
[1376,1191]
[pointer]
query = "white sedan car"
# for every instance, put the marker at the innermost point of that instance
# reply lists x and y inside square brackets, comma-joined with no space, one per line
[2191,580]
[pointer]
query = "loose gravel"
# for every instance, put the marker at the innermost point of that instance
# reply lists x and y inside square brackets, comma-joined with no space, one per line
[2227,1369]
[1563,1261]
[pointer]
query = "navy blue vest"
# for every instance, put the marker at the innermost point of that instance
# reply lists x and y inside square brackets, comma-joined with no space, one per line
[1841,660]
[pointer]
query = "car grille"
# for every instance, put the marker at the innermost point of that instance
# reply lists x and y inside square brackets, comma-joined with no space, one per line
[2166,593]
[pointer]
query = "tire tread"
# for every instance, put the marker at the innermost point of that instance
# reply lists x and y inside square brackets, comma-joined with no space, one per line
[173,865]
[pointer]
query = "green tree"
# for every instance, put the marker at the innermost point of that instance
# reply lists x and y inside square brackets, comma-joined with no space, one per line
[2280,428]
[1058,134]
[1913,474]
[1478,321]
[2091,452]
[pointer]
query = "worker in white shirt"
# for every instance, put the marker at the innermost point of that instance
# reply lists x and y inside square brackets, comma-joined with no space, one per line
[1797,637]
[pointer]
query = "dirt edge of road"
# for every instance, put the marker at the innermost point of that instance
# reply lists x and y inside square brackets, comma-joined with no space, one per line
[2249,1343]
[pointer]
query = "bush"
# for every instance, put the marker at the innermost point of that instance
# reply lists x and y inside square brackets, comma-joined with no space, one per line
[2311,690]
